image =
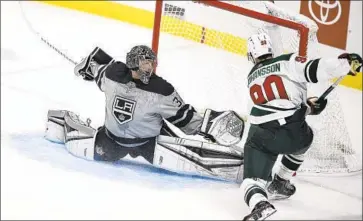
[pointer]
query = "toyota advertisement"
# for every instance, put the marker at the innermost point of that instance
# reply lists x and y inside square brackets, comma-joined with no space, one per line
[332,17]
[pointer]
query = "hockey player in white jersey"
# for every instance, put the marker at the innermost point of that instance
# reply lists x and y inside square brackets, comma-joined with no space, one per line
[278,89]
[138,102]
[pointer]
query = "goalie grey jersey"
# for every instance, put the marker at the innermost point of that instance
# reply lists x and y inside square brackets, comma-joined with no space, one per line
[137,110]
[278,86]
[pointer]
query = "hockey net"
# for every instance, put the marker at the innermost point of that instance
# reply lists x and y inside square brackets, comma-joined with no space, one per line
[201,47]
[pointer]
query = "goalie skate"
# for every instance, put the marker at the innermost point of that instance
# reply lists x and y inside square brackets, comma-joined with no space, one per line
[261,211]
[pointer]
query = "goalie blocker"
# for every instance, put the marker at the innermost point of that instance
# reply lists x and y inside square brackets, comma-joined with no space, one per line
[166,151]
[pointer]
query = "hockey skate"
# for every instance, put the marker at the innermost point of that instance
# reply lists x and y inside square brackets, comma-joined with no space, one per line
[280,189]
[261,211]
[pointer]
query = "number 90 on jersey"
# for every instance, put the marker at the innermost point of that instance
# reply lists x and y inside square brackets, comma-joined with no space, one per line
[261,94]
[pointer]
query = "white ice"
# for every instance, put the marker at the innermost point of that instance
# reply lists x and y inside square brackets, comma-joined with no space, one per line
[40,180]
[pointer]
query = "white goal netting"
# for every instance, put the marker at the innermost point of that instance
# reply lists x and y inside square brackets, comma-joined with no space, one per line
[202,51]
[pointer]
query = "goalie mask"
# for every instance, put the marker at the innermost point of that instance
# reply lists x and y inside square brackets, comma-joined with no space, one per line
[258,45]
[142,60]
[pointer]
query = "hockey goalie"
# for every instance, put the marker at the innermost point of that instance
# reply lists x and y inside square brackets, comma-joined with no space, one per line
[138,106]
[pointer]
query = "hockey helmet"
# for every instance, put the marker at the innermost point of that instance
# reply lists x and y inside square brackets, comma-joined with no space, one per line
[258,45]
[143,60]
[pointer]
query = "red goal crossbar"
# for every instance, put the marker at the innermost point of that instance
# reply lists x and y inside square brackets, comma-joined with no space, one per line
[303,31]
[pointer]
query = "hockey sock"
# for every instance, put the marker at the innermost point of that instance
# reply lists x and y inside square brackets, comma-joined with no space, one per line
[289,165]
[254,191]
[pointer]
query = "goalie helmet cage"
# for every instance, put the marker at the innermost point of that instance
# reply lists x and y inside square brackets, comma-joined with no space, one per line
[183,29]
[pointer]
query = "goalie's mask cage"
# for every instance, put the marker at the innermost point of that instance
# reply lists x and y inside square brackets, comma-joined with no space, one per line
[201,48]
[143,60]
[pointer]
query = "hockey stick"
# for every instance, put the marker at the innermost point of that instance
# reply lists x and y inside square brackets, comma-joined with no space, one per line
[44,40]
[199,144]
[330,89]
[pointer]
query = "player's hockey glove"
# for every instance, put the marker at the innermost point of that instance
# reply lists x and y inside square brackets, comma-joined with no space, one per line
[89,66]
[355,62]
[315,106]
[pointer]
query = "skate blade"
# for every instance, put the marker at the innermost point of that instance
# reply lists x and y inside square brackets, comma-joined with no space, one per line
[276,197]
[264,215]
[267,214]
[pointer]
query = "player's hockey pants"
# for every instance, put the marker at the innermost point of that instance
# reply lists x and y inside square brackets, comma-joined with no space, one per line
[266,141]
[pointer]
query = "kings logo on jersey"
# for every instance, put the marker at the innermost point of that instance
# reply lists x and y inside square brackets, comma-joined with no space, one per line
[123,109]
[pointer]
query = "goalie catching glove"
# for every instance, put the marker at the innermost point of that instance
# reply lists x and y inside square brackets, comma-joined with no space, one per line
[225,128]
[90,65]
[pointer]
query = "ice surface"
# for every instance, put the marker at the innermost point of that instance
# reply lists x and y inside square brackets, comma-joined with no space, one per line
[40,180]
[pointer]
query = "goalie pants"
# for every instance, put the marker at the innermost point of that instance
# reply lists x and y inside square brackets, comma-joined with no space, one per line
[266,141]
[111,148]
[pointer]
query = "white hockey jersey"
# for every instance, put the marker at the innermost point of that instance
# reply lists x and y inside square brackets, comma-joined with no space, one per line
[278,86]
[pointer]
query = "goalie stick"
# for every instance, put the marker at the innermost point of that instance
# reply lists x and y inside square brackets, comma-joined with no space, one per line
[43,39]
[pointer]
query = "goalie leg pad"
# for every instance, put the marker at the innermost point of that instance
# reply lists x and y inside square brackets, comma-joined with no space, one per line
[67,128]
[90,65]
[80,146]
[54,131]
[79,136]
[188,160]
[225,128]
